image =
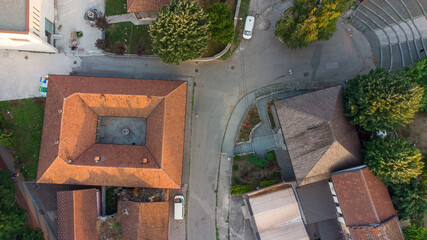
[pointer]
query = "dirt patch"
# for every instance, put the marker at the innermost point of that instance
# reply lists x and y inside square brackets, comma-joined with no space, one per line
[39,101]
[245,172]
[250,120]
[108,228]
[416,132]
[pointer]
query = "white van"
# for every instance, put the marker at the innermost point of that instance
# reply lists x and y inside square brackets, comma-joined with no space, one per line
[179,207]
[249,27]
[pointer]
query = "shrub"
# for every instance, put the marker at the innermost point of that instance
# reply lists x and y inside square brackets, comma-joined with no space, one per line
[140,49]
[418,74]
[7,139]
[101,22]
[394,160]
[270,156]
[102,44]
[236,158]
[267,183]
[236,181]
[119,48]
[257,161]
[240,189]
[415,231]
[235,168]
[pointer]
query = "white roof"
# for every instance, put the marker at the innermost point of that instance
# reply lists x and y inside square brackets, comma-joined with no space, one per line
[276,213]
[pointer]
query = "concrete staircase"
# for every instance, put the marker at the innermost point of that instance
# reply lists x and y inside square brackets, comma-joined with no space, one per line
[395,29]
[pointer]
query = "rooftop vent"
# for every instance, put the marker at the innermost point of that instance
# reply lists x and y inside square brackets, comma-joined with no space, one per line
[56,142]
[144,160]
[68,161]
[126,211]
[59,110]
[97,159]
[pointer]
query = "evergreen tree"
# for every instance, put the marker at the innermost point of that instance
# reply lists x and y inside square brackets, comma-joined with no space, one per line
[418,74]
[308,21]
[410,199]
[180,32]
[381,100]
[394,160]
[221,27]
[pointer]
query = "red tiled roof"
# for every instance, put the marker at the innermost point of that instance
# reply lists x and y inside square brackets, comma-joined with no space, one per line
[77,215]
[73,106]
[389,230]
[149,5]
[144,220]
[365,203]
[319,138]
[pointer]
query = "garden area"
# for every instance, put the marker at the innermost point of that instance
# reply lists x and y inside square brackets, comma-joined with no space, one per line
[128,38]
[250,120]
[21,124]
[115,7]
[251,171]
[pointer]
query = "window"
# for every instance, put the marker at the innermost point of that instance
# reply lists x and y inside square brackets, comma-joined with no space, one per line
[48,30]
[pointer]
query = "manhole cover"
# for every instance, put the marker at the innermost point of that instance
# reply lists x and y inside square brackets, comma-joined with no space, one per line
[197,70]
[305,74]
[232,67]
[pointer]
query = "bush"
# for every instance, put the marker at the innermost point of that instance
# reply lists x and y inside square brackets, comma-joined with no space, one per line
[236,181]
[235,168]
[140,49]
[394,160]
[119,48]
[236,158]
[7,139]
[415,231]
[101,22]
[257,161]
[267,183]
[240,189]
[102,44]
[270,156]
[418,74]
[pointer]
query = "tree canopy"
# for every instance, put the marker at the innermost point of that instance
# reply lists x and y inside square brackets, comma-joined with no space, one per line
[221,26]
[410,199]
[180,32]
[13,220]
[307,21]
[418,74]
[394,160]
[381,100]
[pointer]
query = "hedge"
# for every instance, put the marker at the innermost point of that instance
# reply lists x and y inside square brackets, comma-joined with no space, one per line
[267,183]
[257,161]
[240,189]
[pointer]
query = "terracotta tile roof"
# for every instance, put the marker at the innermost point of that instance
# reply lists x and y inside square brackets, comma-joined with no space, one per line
[365,203]
[149,5]
[389,230]
[318,136]
[73,106]
[77,214]
[148,220]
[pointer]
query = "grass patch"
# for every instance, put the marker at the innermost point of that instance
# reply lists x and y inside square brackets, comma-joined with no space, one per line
[251,119]
[25,119]
[115,7]
[214,47]
[111,200]
[131,35]
[243,13]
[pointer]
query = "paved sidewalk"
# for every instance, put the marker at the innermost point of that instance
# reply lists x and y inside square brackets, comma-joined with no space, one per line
[33,206]
[128,17]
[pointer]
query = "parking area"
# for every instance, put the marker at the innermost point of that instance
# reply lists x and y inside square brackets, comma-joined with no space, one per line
[71,20]
[176,227]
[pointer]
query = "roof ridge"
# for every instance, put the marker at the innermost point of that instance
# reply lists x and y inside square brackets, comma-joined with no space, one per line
[74,214]
[178,185]
[57,88]
[148,150]
[371,202]
[176,89]
[154,108]
[78,94]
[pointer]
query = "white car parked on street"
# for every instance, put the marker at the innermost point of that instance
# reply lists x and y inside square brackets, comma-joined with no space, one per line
[249,27]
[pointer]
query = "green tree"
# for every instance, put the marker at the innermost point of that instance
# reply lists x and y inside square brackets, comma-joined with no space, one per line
[394,160]
[221,27]
[381,100]
[180,32]
[13,220]
[418,74]
[410,199]
[307,21]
